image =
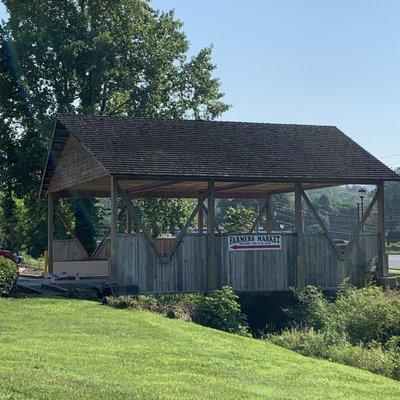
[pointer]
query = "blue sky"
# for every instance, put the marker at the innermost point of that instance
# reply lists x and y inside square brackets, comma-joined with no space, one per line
[310,61]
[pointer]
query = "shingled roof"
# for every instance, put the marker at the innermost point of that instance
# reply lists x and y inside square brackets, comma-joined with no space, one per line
[229,151]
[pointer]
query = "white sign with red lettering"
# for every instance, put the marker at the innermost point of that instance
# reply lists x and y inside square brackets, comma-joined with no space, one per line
[255,242]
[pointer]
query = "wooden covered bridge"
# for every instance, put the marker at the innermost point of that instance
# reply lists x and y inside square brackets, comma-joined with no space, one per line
[126,158]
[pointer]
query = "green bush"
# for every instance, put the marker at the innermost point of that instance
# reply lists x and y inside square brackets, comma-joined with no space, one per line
[312,309]
[221,310]
[361,328]
[369,314]
[8,276]
[147,303]
[309,342]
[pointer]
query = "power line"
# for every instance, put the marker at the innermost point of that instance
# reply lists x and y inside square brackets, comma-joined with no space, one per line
[392,155]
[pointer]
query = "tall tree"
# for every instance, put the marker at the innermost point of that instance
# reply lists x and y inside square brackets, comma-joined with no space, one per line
[116,57]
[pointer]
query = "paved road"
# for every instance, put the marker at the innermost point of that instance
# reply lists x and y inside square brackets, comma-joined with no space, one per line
[394,261]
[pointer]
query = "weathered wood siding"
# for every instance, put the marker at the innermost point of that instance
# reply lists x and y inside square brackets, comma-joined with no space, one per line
[139,263]
[323,266]
[69,250]
[257,270]
[105,251]
[75,166]
[253,271]
[165,244]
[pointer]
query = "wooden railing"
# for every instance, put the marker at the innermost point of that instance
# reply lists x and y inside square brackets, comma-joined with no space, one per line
[253,271]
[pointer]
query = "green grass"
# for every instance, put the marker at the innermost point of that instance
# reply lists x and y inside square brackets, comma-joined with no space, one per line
[73,349]
[32,262]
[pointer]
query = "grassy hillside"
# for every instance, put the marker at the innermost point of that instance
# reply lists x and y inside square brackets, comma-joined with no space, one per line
[71,349]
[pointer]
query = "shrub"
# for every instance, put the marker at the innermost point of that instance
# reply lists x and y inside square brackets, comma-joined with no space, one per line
[221,310]
[181,306]
[309,342]
[360,328]
[312,309]
[370,314]
[372,358]
[8,276]
[147,303]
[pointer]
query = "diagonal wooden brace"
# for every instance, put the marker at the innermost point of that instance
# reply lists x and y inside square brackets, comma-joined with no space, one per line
[321,223]
[361,223]
[183,232]
[258,218]
[70,230]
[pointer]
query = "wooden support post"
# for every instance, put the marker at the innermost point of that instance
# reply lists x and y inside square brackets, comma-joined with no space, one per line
[298,228]
[268,213]
[128,201]
[200,216]
[212,267]
[112,265]
[50,233]
[382,257]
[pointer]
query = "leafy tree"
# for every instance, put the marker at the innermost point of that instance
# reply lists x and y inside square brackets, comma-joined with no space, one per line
[163,216]
[239,219]
[93,57]
[325,203]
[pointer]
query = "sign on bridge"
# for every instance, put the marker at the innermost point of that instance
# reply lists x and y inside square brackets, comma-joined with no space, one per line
[255,242]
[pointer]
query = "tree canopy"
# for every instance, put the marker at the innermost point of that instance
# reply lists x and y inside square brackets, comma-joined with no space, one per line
[95,57]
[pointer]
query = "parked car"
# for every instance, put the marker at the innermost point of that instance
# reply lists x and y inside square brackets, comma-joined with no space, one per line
[9,254]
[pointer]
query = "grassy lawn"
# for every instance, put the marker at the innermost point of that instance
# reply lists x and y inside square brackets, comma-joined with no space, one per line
[73,349]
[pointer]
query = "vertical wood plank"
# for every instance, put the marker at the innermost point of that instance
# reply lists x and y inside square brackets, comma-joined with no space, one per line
[298,226]
[212,273]
[128,200]
[200,216]
[112,269]
[50,233]
[382,259]
[268,213]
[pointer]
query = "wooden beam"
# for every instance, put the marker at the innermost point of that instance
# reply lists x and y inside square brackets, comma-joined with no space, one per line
[50,233]
[298,217]
[128,202]
[237,186]
[258,218]
[178,240]
[321,223]
[383,269]
[361,223]
[177,193]
[71,231]
[212,267]
[216,226]
[152,186]
[112,269]
[106,235]
[298,227]
[200,215]
[143,227]
[268,213]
